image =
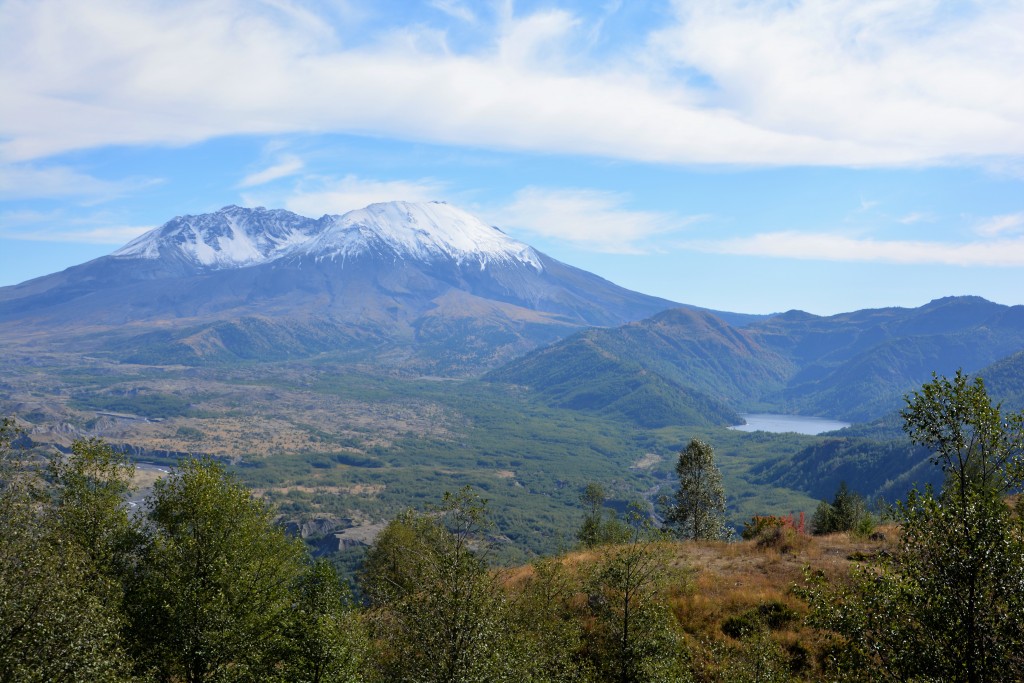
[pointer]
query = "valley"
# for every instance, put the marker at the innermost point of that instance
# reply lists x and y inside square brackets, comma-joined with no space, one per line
[319,438]
[350,367]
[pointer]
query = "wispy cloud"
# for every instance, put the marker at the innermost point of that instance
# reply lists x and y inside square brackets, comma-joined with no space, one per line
[26,181]
[589,218]
[287,166]
[836,82]
[916,217]
[455,9]
[325,195]
[74,226]
[831,247]
[112,234]
[1000,225]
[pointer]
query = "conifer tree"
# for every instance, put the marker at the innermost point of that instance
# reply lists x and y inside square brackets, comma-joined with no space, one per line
[698,508]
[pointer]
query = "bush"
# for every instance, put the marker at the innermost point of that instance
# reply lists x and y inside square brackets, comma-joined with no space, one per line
[772,615]
[760,525]
[742,626]
[776,615]
[784,533]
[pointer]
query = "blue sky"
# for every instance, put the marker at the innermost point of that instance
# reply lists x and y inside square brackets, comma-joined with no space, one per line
[739,155]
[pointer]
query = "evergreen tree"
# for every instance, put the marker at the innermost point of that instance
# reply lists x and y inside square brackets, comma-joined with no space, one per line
[846,512]
[698,508]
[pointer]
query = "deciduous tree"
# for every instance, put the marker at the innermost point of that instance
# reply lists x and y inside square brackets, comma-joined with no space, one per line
[324,641]
[634,638]
[55,622]
[212,594]
[949,604]
[600,525]
[439,614]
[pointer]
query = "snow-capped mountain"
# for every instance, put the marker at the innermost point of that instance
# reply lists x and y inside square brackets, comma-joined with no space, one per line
[229,238]
[421,285]
[424,231]
[236,237]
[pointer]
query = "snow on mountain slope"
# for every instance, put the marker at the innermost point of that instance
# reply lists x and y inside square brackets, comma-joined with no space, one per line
[424,232]
[236,237]
[230,238]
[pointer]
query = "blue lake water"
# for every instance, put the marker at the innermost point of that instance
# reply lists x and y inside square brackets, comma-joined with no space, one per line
[767,422]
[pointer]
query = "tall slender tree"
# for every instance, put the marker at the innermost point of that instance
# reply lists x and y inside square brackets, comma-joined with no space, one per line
[634,637]
[698,508]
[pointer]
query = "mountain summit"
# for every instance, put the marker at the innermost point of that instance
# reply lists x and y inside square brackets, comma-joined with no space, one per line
[425,286]
[237,237]
[230,238]
[425,232]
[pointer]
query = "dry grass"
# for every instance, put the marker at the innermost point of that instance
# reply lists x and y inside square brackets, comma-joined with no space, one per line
[718,581]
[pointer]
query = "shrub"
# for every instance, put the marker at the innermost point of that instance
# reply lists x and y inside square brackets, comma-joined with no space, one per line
[760,525]
[784,533]
[776,614]
[772,615]
[742,625]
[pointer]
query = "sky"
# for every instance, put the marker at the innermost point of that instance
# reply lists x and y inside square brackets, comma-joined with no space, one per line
[740,155]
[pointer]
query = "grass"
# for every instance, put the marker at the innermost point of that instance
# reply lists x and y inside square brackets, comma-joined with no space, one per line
[720,585]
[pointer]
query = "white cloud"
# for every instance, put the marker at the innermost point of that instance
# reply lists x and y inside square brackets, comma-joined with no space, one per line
[110,234]
[589,218]
[916,217]
[998,225]
[831,247]
[454,9]
[319,196]
[25,181]
[287,166]
[835,82]
[74,225]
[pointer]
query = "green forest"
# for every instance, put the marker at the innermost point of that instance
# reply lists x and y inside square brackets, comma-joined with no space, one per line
[202,583]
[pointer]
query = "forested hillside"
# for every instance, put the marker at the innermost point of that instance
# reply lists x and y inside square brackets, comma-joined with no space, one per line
[854,366]
[203,584]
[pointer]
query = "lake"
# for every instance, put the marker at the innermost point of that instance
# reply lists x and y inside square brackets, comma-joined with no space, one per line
[768,422]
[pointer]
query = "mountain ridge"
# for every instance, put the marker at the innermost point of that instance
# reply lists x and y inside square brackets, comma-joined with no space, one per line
[853,366]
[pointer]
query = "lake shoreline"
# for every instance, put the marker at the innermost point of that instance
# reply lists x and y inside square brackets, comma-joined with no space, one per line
[778,424]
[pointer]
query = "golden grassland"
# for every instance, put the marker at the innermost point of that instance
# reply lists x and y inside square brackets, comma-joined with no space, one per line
[711,582]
